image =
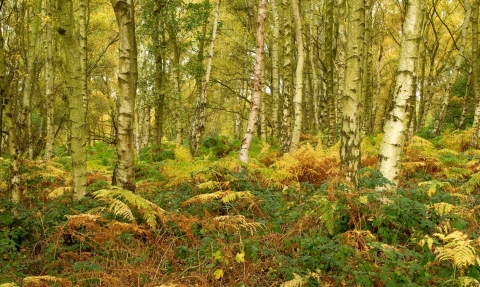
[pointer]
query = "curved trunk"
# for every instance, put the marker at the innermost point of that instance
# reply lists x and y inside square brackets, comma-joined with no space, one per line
[257,82]
[395,130]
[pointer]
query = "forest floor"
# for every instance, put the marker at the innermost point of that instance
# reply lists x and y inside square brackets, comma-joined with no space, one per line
[282,221]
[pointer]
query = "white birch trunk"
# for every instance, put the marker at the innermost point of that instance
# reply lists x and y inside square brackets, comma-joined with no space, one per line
[257,84]
[298,96]
[396,124]
[453,76]
[124,174]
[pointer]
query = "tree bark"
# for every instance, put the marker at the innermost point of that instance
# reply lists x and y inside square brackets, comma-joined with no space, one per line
[75,98]
[350,135]
[331,112]
[298,96]
[475,85]
[397,120]
[257,84]
[124,174]
[50,81]
[275,72]
[286,134]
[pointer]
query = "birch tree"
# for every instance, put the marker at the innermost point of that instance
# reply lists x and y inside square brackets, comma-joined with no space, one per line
[198,127]
[50,77]
[75,97]
[456,70]
[257,84]
[298,96]
[124,174]
[350,135]
[396,124]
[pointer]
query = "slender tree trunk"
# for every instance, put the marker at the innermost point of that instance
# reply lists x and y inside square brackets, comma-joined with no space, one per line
[341,48]
[50,78]
[396,125]
[421,105]
[198,127]
[378,77]
[158,43]
[463,118]
[124,173]
[275,72]
[328,60]
[314,77]
[75,98]
[298,96]
[82,21]
[453,76]
[475,85]
[367,70]
[286,135]
[257,82]
[350,135]
[9,109]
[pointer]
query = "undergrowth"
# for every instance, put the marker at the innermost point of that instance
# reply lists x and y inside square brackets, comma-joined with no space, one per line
[283,221]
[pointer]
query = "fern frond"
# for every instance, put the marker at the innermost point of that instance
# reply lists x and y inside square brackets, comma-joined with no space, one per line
[182,154]
[327,209]
[233,196]
[458,249]
[472,183]
[8,285]
[297,281]
[466,281]
[233,223]
[147,209]
[433,185]
[426,240]
[207,185]
[202,198]
[456,172]
[57,192]
[41,280]
[443,208]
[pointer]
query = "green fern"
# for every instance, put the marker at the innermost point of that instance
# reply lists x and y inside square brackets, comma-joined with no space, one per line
[472,183]
[119,200]
[434,185]
[327,213]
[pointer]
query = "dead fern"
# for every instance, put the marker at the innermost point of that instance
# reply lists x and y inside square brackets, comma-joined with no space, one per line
[232,223]
[227,196]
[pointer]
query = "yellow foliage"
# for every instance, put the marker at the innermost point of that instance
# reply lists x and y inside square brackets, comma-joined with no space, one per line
[233,223]
[224,196]
[457,249]
[443,208]
[118,200]
[57,192]
[35,281]
[182,154]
